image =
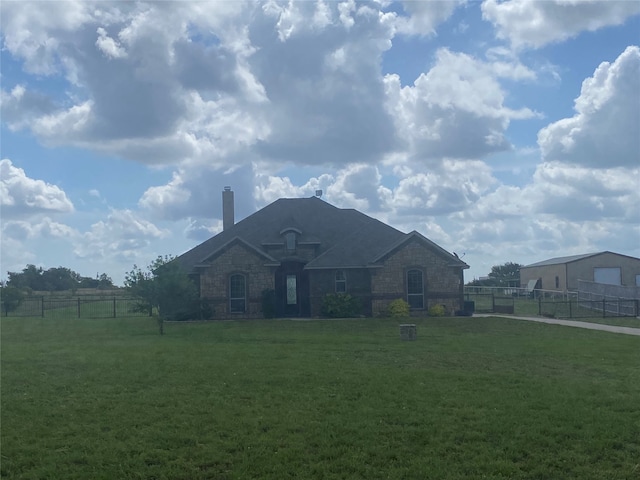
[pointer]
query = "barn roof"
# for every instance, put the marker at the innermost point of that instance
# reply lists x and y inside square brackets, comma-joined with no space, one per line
[572,258]
[561,260]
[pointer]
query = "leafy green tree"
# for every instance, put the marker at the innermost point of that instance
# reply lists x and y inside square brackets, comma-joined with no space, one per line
[11,298]
[163,286]
[104,281]
[507,274]
[30,277]
[60,279]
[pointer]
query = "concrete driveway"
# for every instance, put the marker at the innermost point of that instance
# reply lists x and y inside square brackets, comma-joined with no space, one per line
[568,323]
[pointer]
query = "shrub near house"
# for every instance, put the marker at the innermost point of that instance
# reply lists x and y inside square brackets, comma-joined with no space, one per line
[341,305]
[398,309]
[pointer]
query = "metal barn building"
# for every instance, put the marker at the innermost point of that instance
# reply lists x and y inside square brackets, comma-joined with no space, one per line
[562,274]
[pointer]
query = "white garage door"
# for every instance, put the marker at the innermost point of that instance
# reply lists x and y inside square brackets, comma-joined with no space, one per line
[610,276]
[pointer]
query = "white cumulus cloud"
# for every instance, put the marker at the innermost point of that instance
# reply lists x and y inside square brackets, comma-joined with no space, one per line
[21,195]
[535,23]
[605,131]
[460,97]
[424,17]
[110,47]
[121,236]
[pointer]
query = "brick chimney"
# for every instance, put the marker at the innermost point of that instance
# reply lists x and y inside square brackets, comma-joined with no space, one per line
[228,215]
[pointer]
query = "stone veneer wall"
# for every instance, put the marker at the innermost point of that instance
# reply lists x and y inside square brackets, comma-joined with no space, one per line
[442,283]
[214,281]
[323,281]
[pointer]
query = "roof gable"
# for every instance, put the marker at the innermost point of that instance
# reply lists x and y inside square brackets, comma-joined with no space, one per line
[453,260]
[234,241]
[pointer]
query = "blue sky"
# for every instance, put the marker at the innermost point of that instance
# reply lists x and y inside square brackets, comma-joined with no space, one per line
[504,131]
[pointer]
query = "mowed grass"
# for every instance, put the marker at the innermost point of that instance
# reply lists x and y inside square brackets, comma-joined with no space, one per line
[471,398]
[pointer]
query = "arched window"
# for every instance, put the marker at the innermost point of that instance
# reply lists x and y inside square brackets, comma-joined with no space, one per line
[341,281]
[415,289]
[237,293]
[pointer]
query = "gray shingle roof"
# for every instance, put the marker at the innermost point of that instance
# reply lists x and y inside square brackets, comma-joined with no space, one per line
[344,237]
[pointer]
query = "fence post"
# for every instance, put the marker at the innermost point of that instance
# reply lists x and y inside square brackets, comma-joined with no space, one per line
[78,307]
[114,306]
[42,305]
[570,312]
[604,306]
[539,305]
[493,302]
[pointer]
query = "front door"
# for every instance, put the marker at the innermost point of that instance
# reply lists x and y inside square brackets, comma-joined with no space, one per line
[292,290]
[291,301]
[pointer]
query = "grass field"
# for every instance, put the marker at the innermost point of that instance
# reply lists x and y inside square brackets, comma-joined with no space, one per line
[471,398]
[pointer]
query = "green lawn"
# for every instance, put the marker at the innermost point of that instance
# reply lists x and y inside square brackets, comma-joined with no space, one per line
[471,398]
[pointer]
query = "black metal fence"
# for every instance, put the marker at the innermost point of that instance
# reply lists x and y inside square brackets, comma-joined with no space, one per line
[590,308]
[550,304]
[84,306]
[491,303]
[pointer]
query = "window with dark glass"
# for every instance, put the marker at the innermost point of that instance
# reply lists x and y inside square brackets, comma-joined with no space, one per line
[290,238]
[415,289]
[292,290]
[557,282]
[341,282]
[237,294]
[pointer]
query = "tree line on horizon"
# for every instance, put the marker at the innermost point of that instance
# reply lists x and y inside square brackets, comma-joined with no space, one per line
[57,279]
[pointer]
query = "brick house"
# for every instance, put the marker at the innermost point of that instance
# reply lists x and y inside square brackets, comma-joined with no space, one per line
[305,248]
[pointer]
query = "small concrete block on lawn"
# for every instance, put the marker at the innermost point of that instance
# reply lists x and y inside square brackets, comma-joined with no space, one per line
[408,331]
